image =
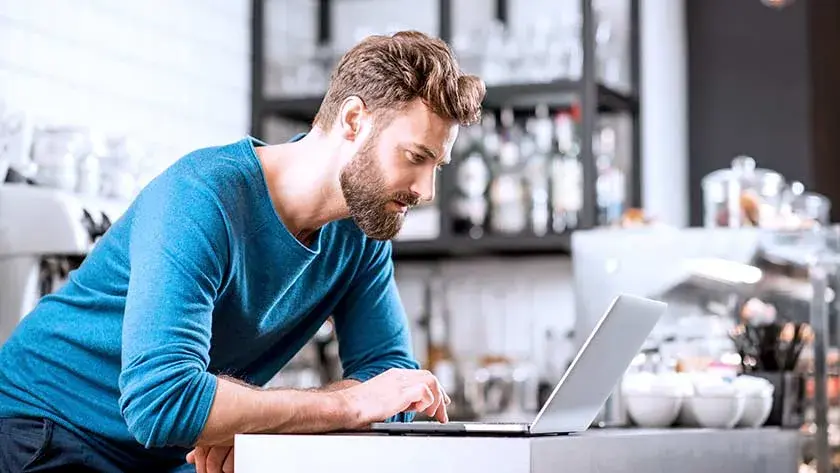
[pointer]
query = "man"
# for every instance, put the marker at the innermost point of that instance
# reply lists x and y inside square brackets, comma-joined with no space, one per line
[152,354]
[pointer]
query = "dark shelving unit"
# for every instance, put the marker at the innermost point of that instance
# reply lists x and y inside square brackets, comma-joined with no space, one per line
[458,246]
[589,96]
[555,94]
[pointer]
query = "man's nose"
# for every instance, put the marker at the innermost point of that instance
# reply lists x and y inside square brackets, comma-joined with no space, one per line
[425,187]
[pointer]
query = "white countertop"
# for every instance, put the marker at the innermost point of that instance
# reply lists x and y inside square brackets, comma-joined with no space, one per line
[619,450]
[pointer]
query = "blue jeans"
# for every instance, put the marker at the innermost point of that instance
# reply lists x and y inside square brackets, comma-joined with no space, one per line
[41,445]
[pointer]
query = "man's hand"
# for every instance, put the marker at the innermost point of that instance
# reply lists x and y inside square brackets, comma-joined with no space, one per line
[212,459]
[393,392]
[381,397]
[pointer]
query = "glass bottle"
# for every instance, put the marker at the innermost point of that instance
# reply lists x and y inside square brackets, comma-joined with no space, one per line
[537,152]
[509,210]
[610,183]
[472,176]
[566,175]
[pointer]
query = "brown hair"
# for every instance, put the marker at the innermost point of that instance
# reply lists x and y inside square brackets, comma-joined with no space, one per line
[387,72]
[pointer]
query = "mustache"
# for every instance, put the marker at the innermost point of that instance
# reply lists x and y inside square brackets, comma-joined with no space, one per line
[410,200]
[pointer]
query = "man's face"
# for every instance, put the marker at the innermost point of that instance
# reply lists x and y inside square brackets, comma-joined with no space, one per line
[395,169]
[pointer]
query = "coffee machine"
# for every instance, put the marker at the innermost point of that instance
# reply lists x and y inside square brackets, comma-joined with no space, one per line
[44,234]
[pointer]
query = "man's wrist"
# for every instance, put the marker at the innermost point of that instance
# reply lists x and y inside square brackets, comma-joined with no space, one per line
[345,408]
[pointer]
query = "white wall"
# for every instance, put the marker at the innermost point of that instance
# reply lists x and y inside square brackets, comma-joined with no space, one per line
[173,75]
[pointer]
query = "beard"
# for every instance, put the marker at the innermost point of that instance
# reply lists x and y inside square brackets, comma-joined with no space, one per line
[367,197]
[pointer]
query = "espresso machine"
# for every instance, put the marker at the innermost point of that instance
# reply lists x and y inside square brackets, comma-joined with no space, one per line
[44,234]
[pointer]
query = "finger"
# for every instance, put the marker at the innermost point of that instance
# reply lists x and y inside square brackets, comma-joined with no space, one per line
[229,462]
[432,409]
[414,407]
[428,397]
[216,459]
[431,380]
[437,388]
[419,397]
[446,399]
[443,396]
[424,396]
[191,457]
[441,414]
[201,460]
[435,405]
[413,401]
[433,383]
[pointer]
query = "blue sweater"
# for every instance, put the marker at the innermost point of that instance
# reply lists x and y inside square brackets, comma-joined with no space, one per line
[199,277]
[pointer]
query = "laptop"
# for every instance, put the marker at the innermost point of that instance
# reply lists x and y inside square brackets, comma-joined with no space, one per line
[579,395]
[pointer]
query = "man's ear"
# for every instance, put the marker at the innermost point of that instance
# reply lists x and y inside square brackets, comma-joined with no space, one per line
[352,118]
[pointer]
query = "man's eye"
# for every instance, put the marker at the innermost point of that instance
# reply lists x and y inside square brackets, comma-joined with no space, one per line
[415,158]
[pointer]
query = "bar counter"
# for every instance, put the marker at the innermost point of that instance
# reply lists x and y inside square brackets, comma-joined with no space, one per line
[766,450]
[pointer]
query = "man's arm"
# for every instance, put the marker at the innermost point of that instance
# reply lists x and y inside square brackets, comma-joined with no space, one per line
[256,410]
[177,251]
[219,456]
[238,408]
[372,326]
[336,386]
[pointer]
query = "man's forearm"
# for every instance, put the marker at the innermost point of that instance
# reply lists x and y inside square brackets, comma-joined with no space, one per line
[332,387]
[336,386]
[239,408]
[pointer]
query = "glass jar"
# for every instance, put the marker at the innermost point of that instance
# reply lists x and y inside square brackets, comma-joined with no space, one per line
[812,208]
[742,195]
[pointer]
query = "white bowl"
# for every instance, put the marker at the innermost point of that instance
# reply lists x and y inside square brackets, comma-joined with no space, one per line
[753,386]
[653,410]
[712,412]
[756,410]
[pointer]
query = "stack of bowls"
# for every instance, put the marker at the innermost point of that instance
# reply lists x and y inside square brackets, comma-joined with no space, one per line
[715,403]
[758,400]
[653,400]
[705,400]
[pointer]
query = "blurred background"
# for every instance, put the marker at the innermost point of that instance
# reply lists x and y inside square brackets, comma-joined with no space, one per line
[685,150]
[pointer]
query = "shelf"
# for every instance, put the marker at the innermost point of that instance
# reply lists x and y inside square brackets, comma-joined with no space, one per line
[611,100]
[561,93]
[491,245]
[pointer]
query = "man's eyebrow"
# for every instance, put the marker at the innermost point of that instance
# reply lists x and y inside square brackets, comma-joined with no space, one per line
[430,154]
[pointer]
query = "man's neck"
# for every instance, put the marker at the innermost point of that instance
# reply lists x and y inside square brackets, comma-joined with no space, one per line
[303,182]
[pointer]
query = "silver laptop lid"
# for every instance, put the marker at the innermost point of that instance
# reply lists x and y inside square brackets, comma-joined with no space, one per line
[599,364]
